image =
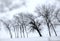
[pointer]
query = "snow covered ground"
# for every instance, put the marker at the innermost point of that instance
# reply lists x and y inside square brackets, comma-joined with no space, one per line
[34,39]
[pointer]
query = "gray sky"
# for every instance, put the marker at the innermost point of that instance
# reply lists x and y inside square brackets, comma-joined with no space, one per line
[30,7]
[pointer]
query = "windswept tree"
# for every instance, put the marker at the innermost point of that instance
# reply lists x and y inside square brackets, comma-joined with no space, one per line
[21,21]
[7,26]
[34,25]
[48,13]
[15,25]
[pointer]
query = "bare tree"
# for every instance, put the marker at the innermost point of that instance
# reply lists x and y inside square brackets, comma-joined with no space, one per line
[47,12]
[7,25]
[16,26]
[34,25]
[21,22]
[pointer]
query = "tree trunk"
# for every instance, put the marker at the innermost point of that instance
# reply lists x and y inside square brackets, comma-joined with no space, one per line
[47,21]
[23,33]
[10,34]
[17,35]
[20,32]
[53,29]
[39,33]
[48,28]
[26,32]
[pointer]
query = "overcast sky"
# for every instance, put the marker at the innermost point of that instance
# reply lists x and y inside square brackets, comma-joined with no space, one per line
[29,7]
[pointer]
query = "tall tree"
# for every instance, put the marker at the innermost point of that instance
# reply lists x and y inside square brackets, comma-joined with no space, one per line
[47,12]
[21,22]
[34,24]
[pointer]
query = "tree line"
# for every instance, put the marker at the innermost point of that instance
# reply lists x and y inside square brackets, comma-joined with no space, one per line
[23,23]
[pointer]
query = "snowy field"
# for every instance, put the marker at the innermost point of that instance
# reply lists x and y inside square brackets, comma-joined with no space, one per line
[34,39]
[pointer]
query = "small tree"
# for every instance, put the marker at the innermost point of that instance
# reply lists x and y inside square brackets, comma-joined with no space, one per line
[7,25]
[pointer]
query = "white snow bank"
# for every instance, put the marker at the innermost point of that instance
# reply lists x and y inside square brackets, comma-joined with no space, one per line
[34,39]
